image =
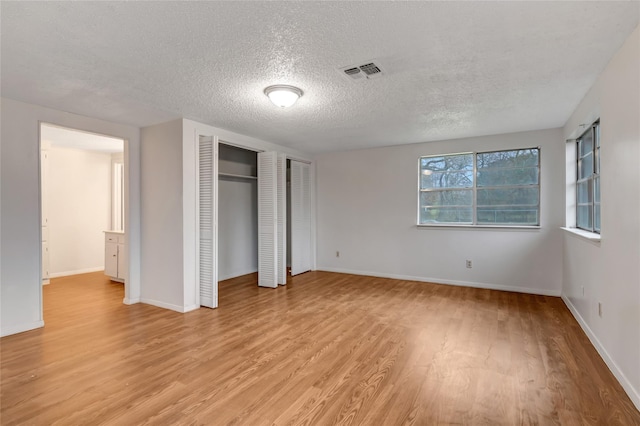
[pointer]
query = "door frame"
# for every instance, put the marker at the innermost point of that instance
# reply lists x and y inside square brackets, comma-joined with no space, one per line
[229,139]
[127,191]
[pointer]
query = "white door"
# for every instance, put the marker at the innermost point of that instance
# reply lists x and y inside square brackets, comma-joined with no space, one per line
[267,219]
[300,217]
[207,221]
[282,218]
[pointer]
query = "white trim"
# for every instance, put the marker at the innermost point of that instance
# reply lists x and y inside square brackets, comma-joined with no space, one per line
[130,301]
[526,290]
[633,393]
[469,226]
[582,234]
[76,272]
[190,308]
[170,306]
[236,274]
[7,331]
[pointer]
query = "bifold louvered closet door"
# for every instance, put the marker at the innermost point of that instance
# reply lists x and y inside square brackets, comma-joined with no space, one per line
[282,218]
[267,219]
[300,217]
[207,215]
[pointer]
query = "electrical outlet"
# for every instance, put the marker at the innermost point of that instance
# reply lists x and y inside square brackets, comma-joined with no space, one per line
[337,254]
[469,264]
[600,309]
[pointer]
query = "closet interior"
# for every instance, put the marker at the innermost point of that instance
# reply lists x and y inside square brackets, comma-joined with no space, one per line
[237,211]
[260,206]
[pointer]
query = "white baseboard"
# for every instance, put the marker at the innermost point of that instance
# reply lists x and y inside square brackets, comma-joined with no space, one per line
[633,393]
[15,329]
[526,290]
[235,274]
[177,308]
[76,272]
[130,301]
[190,308]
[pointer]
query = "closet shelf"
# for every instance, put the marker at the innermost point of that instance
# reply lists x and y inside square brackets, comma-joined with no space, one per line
[231,175]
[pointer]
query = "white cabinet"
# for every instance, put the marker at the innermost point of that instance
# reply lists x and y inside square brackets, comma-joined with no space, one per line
[115,257]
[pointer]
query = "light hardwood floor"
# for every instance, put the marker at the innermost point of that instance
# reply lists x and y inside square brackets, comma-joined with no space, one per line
[326,349]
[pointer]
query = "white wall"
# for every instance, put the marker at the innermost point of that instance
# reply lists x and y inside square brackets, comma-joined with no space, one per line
[161,212]
[367,210]
[610,271]
[79,209]
[20,227]
[237,227]
[237,213]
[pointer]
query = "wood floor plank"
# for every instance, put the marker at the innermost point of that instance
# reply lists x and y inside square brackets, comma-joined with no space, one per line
[325,349]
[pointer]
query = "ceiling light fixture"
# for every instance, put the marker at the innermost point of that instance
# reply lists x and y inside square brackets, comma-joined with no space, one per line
[283,95]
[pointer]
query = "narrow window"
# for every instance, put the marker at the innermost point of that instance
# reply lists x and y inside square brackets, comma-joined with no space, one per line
[588,180]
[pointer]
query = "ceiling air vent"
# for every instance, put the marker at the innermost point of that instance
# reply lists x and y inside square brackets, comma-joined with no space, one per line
[368,70]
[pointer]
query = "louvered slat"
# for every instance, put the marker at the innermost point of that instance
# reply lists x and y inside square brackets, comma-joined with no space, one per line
[207,223]
[282,218]
[267,219]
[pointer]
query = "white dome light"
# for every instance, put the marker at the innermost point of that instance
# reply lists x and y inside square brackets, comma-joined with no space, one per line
[282,95]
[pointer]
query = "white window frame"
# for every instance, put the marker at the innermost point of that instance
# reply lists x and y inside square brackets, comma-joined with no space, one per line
[474,188]
[594,128]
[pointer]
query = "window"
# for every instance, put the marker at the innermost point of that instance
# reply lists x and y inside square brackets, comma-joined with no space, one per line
[588,180]
[117,192]
[485,188]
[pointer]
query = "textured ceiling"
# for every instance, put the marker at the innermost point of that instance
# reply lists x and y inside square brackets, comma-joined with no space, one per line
[69,138]
[453,69]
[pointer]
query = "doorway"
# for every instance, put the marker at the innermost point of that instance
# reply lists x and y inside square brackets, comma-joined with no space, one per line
[82,194]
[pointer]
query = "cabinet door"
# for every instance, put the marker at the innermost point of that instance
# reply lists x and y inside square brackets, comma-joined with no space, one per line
[45,261]
[122,262]
[111,259]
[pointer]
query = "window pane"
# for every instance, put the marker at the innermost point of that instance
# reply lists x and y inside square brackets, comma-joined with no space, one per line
[447,198]
[447,163]
[584,192]
[585,143]
[431,179]
[585,168]
[508,196]
[596,189]
[596,219]
[515,176]
[446,215]
[508,215]
[516,158]
[584,217]
[447,171]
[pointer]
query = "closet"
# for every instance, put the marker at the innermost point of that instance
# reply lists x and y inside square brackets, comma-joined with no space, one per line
[253,218]
[237,211]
